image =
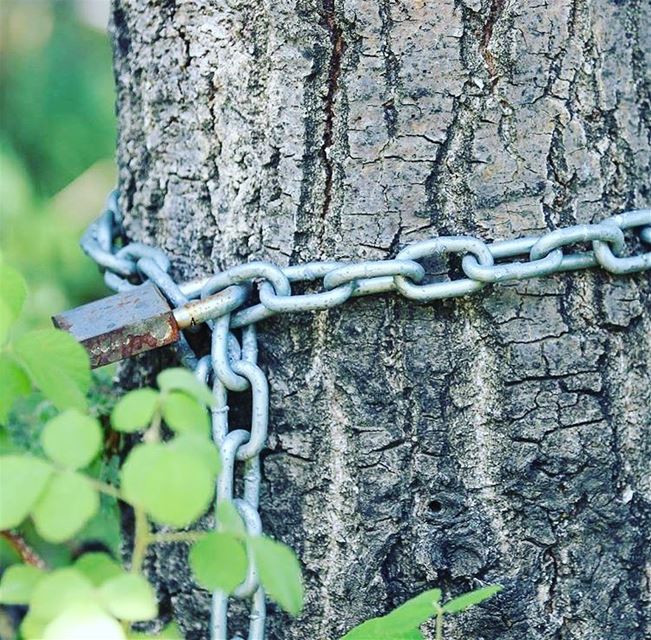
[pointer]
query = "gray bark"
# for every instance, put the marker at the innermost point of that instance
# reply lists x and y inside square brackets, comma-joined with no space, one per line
[497,438]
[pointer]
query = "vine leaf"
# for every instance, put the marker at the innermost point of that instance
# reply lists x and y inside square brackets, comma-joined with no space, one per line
[72,439]
[177,379]
[185,414]
[280,573]
[57,364]
[98,567]
[202,449]
[466,600]
[23,479]
[411,614]
[83,621]
[65,506]
[12,296]
[218,561]
[135,410]
[372,630]
[229,519]
[32,627]
[171,632]
[402,623]
[18,583]
[57,591]
[14,383]
[173,485]
[129,597]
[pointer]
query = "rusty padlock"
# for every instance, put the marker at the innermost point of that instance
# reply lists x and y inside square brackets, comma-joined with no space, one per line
[139,320]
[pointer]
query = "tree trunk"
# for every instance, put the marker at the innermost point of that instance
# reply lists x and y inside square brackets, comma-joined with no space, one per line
[494,438]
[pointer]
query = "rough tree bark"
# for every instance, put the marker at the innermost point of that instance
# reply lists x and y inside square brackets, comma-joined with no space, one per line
[498,438]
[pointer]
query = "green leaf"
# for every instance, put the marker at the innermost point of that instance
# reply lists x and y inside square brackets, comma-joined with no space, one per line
[32,627]
[129,597]
[135,410]
[218,561]
[466,600]
[412,613]
[185,414]
[412,634]
[57,364]
[65,506]
[229,519]
[18,583]
[171,632]
[372,630]
[14,383]
[83,622]
[280,573]
[72,439]
[203,450]
[13,292]
[98,567]
[59,590]
[168,483]
[179,379]
[368,630]
[104,526]
[23,479]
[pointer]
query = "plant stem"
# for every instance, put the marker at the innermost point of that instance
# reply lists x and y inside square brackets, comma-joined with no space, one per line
[141,539]
[439,624]
[152,435]
[105,488]
[176,536]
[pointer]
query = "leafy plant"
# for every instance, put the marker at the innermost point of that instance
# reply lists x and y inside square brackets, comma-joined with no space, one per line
[55,480]
[404,622]
[167,479]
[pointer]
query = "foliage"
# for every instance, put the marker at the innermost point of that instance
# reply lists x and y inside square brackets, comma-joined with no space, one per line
[57,88]
[404,622]
[54,488]
[58,487]
[57,141]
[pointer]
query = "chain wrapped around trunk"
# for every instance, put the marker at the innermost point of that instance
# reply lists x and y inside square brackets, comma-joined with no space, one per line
[258,290]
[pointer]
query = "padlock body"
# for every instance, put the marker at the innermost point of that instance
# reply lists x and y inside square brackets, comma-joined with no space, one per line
[122,325]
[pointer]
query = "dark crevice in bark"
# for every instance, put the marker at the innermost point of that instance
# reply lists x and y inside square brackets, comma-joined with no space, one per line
[640,66]
[559,211]
[391,68]
[338,46]
[450,165]
[309,165]
[495,11]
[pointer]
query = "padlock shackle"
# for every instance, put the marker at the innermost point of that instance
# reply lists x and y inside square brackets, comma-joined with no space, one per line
[219,304]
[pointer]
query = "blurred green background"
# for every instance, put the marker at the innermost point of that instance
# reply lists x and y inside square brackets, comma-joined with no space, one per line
[57,139]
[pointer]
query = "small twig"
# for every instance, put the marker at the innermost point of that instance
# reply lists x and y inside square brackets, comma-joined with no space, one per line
[141,539]
[20,546]
[105,488]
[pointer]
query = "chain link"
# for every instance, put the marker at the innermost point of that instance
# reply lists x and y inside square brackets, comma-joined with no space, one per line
[232,365]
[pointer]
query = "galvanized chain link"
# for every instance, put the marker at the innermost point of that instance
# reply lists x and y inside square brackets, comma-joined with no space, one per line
[232,366]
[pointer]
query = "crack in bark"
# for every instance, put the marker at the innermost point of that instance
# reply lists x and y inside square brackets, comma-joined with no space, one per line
[391,68]
[496,10]
[334,69]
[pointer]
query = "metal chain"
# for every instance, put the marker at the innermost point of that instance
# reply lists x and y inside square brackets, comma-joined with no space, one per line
[232,366]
